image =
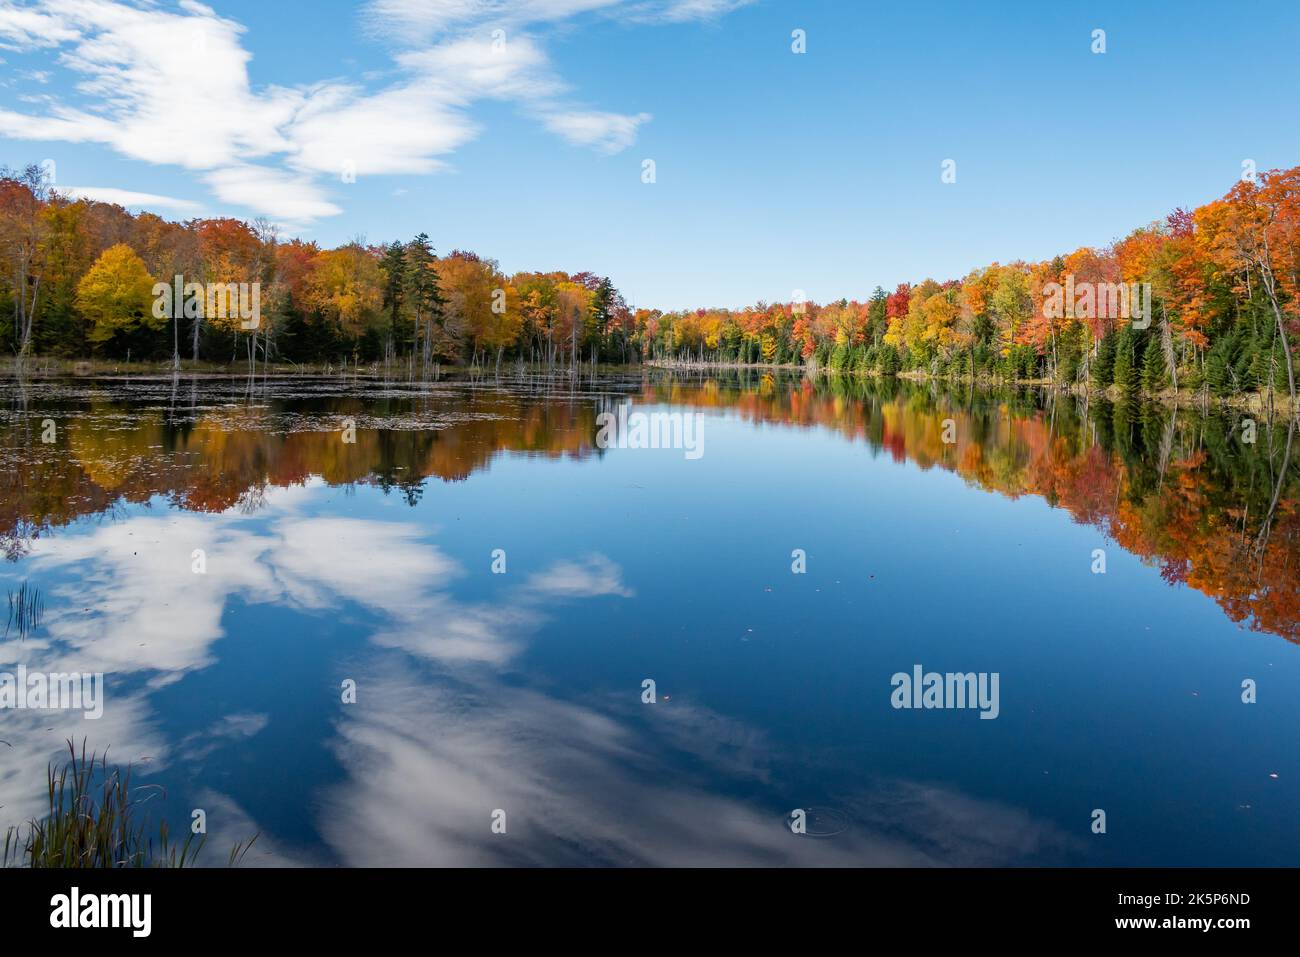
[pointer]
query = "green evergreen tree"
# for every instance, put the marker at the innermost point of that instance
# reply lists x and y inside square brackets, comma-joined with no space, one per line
[1280,381]
[1103,366]
[858,360]
[1155,374]
[877,322]
[423,294]
[890,362]
[1218,375]
[602,311]
[1257,371]
[1069,356]
[1126,371]
[1246,365]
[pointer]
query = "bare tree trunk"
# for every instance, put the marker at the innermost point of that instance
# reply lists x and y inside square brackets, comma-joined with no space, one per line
[1167,345]
[1266,274]
[29,314]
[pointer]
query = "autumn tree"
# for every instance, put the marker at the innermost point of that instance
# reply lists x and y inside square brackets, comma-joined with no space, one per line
[345,289]
[116,294]
[22,233]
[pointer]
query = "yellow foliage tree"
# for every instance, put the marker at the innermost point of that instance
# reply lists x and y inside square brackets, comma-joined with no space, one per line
[346,287]
[116,293]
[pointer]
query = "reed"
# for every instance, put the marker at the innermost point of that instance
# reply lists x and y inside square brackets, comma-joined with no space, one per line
[26,607]
[96,819]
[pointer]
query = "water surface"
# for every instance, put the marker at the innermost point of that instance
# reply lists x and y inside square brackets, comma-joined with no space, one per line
[327,561]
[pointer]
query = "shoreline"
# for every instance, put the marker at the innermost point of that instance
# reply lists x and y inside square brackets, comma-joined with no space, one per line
[42,367]
[1248,401]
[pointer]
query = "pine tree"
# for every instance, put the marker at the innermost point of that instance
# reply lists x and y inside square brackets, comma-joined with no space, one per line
[1245,366]
[1257,370]
[1279,380]
[1218,378]
[1126,371]
[1103,367]
[1155,376]
[602,310]
[876,316]
[890,362]
[423,295]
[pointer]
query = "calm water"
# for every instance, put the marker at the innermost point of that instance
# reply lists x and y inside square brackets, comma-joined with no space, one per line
[372,562]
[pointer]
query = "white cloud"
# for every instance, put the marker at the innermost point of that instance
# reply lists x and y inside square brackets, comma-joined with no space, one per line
[126,197]
[163,87]
[678,11]
[172,86]
[470,68]
[62,124]
[24,27]
[606,132]
[361,130]
[282,194]
[424,18]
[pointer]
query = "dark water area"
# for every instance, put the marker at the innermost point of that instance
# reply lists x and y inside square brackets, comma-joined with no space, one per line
[498,588]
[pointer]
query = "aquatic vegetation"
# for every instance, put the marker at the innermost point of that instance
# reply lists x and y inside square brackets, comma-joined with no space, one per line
[26,606]
[96,820]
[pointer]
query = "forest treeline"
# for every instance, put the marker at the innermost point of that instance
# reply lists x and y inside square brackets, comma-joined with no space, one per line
[77,281]
[1223,313]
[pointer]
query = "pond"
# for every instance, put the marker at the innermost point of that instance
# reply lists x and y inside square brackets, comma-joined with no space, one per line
[454,623]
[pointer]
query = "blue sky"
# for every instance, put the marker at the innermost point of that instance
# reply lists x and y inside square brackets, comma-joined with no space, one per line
[775,171]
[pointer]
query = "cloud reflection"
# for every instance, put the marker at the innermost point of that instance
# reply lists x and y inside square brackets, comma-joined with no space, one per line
[427,765]
[440,738]
[126,601]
